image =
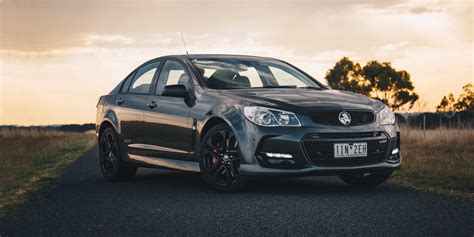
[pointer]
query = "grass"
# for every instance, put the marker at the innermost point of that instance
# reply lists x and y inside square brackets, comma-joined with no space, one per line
[440,161]
[32,158]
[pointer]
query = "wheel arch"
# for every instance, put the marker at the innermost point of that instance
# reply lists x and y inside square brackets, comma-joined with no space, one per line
[234,125]
[104,125]
[109,119]
[210,123]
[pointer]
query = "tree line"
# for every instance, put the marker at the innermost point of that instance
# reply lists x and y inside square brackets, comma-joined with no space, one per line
[465,101]
[379,80]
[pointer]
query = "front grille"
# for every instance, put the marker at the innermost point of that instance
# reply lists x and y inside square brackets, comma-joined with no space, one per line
[332,117]
[320,151]
[344,135]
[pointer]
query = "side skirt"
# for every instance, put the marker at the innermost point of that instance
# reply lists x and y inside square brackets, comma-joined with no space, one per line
[166,163]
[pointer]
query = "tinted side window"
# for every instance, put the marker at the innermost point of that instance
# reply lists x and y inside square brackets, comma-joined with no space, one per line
[143,78]
[127,82]
[172,73]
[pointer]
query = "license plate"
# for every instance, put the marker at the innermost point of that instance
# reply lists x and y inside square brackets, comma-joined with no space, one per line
[358,149]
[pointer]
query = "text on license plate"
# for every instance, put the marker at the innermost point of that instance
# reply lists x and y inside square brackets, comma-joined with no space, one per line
[358,149]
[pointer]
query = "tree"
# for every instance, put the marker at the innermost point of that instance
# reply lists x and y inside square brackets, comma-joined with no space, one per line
[446,104]
[347,75]
[421,105]
[377,80]
[465,101]
[392,87]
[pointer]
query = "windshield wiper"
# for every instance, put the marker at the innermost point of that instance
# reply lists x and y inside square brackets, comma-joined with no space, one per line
[311,87]
[276,87]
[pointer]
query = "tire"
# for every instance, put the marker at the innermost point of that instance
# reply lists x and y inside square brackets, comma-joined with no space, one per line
[112,166]
[368,180]
[219,160]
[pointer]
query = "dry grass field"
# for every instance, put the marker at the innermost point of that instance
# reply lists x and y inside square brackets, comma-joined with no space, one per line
[440,161]
[31,158]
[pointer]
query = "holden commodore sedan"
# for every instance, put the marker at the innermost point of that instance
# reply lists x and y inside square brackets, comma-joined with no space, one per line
[232,118]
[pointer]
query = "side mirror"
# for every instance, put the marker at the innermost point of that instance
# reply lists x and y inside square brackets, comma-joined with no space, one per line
[175,91]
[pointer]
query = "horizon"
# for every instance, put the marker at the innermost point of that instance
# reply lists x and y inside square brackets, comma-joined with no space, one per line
[82,50]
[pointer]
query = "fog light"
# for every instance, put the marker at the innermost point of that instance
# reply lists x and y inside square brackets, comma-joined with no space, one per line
[278,155]
[395,156]
[395,151]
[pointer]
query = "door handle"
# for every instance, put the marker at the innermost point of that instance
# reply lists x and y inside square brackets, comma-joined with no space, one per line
[119,101]
[151,104]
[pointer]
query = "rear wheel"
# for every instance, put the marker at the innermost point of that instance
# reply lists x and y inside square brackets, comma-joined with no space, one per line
[366,179]
[219,159]
[110,157]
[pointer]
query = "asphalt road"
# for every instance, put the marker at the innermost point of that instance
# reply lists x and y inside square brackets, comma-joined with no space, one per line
[170,203]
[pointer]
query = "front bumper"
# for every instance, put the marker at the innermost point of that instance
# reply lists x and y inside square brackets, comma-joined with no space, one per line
[311,149]
[257,170]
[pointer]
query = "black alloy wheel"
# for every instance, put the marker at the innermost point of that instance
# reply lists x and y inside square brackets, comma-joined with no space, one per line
[111,164]
[220,159]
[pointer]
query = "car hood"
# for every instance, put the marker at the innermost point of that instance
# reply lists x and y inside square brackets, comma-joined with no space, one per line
[304,100]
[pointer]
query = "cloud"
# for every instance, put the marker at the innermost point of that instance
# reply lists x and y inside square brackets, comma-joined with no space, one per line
[306,27]
[394,50]
[421,10]
[107,40]
[36,56]
[160,40]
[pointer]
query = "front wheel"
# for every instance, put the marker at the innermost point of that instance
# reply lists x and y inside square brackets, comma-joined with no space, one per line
[366,179]
[219,159]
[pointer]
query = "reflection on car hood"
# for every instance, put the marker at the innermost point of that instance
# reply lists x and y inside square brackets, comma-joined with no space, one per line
[303,100]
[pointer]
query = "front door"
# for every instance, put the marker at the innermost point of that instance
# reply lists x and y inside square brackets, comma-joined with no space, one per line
[168,126]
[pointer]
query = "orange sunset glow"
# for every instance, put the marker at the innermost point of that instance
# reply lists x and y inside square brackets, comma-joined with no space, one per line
[58,57]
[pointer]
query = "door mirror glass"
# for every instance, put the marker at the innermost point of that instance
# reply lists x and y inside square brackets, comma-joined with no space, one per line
[175,91]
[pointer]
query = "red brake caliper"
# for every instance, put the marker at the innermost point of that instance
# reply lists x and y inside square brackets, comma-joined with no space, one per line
[214,155]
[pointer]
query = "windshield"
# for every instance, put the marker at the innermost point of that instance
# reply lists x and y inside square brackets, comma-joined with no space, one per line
[252,73]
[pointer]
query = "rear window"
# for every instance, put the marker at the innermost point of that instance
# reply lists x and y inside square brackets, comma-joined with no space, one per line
[126,83]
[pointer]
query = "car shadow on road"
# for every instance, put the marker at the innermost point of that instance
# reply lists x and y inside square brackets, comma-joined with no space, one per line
[264,185]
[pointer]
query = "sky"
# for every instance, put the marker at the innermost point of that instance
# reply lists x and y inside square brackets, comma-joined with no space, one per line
[57,57]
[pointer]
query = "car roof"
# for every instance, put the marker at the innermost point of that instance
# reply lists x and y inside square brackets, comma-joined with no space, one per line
[219,56]
[185,57]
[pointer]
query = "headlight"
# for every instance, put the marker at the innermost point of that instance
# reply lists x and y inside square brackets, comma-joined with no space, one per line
[270,117]
[386,116]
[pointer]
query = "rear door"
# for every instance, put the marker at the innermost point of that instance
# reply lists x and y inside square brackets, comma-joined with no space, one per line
[131,103]
[168,125]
